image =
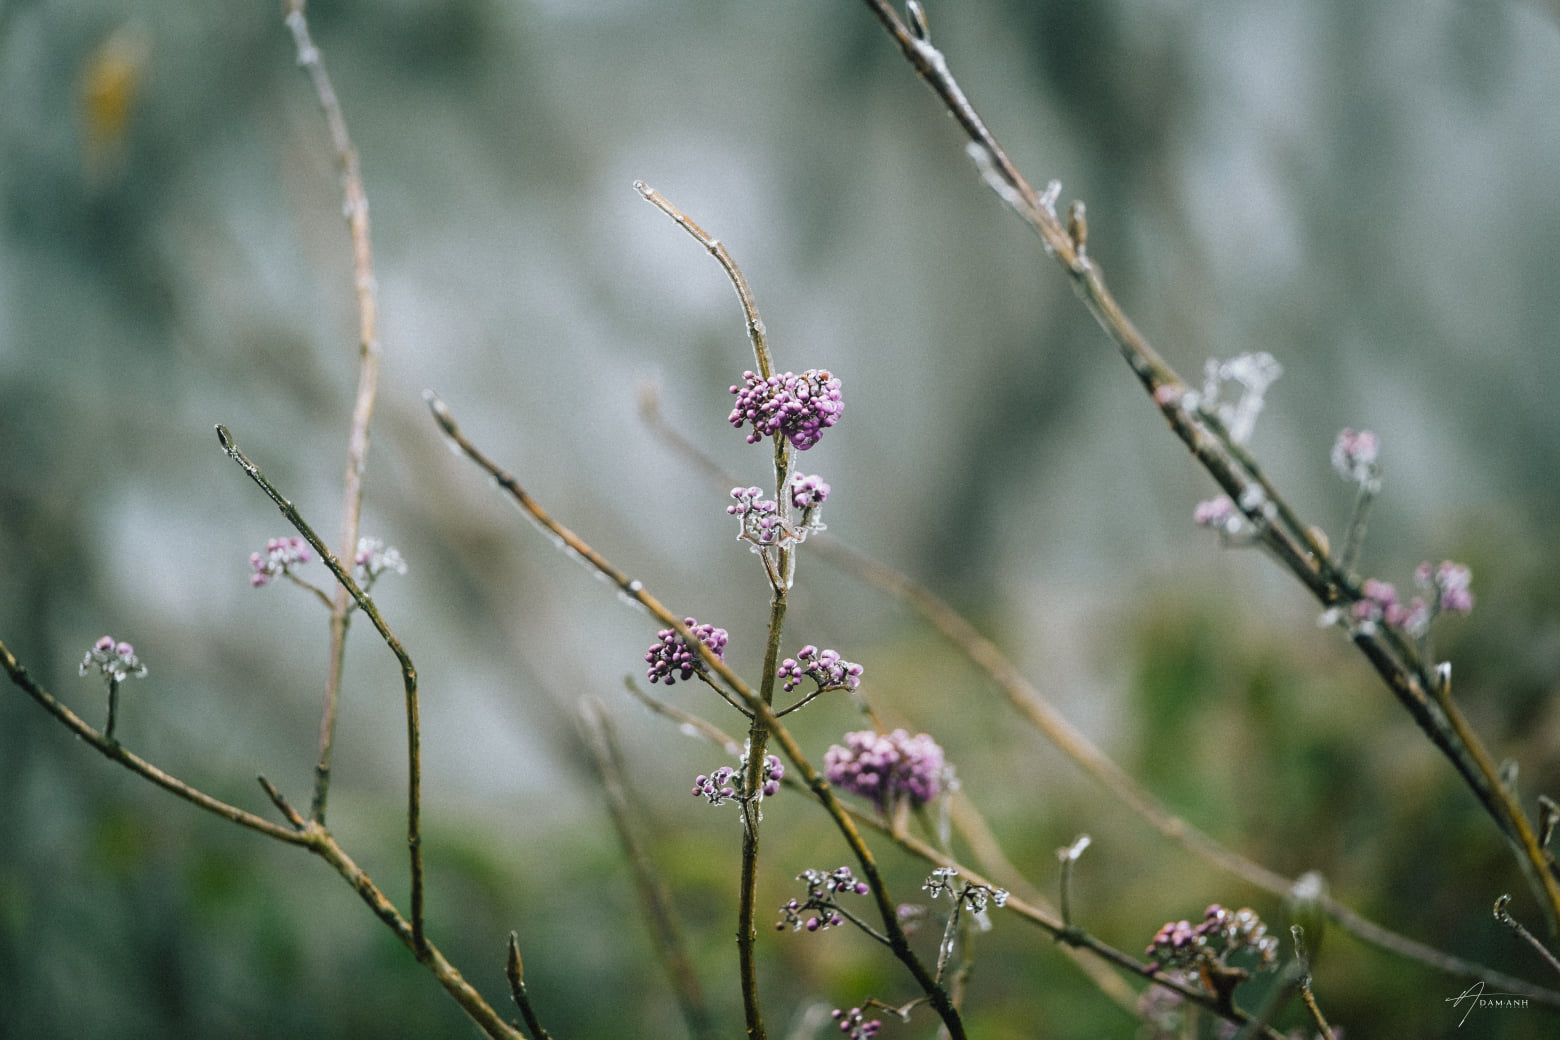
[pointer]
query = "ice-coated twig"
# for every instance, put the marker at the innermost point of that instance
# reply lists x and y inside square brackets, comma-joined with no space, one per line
[1504,917]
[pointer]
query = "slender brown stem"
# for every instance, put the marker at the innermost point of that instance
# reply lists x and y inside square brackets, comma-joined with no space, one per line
[408,670]
[356,209]
[514,970]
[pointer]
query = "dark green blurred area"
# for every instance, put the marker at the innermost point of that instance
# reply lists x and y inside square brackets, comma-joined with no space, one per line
[1367,192]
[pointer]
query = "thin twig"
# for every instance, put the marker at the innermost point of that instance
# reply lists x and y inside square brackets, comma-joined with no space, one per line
[515,971]
[356,210]
[115,751]
[408,670]
[1504,917]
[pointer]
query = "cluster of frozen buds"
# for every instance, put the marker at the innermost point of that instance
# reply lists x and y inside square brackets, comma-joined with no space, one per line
[373,558]
[972,896]
[759,518]
[1220,934]
[114,661]
[821,889]
[280,557]
[799,407]
[824,667]
[887,767]
[719,787]
[1354,457]
[670,658]
[1445,590]
[856,1025]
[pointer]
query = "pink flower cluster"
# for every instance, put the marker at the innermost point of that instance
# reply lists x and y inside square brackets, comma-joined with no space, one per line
[886,767]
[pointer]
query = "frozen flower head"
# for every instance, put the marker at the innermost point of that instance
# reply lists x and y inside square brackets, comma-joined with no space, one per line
[280,557]
[1218,936]
[819,911]
[824,667]
[799,407]
[114,661]
[886,768]
[719,787]
[1354,456]
[758,516]
[1447,585]
[671,658]
[374,558]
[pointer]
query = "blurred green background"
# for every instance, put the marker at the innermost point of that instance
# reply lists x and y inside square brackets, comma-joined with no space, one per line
[1367,190]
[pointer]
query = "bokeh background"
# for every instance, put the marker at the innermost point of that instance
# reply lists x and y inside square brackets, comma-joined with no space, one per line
[1368,191]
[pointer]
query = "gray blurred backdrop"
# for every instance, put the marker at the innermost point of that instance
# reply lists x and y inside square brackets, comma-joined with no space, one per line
[1368,191]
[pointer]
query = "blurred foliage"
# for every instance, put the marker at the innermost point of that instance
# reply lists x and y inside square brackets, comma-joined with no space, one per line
[1366,191]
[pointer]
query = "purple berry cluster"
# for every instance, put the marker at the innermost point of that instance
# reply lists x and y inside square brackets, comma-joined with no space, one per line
[281,556]
[114,661]
[855,1025]
[886,767]
[799,407]
[821,890]
[1221,933]
[671,658]
[824,667]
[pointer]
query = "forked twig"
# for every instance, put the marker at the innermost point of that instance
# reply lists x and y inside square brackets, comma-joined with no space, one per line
[408,670]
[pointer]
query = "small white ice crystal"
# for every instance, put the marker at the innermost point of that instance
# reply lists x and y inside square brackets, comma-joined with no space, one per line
[1254,373]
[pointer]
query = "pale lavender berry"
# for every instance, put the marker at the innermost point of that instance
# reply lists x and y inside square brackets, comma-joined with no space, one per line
[281,555]
[886,767]
[799,407]
[113,660]
[1354,455]
[824,667]
[1218,935]
[774,772]
[671,658]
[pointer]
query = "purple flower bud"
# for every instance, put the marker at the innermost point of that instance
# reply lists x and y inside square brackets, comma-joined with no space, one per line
[114,660]
[281,556]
